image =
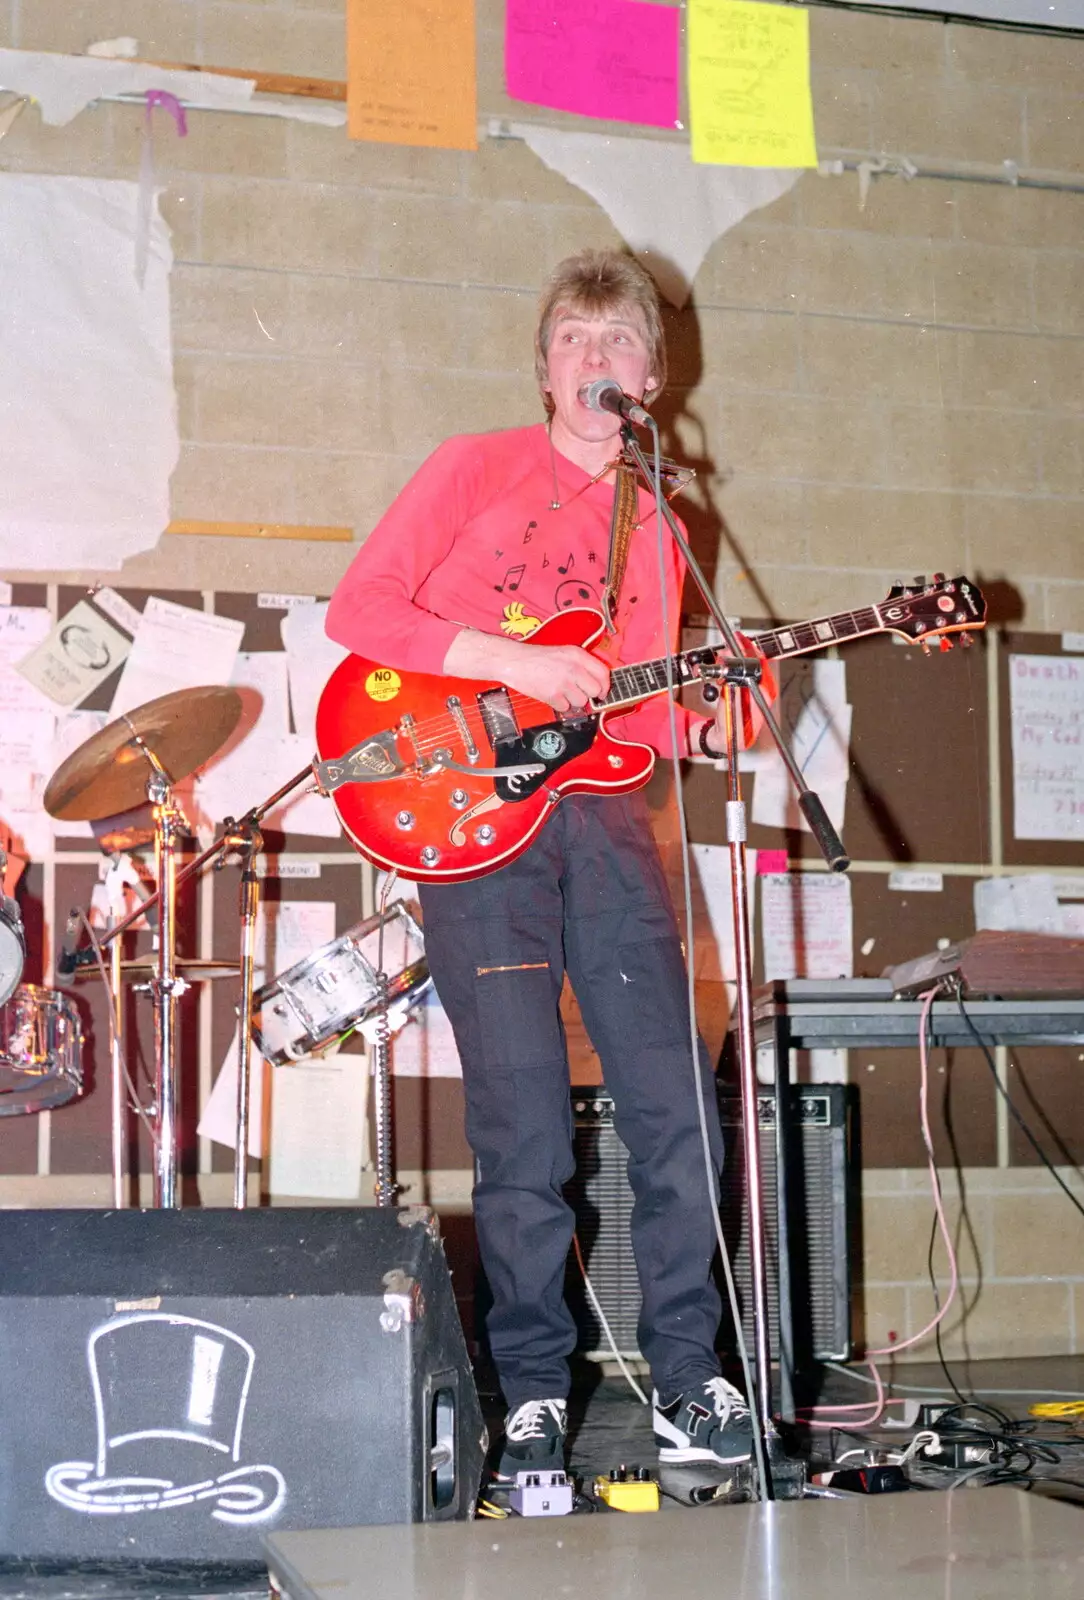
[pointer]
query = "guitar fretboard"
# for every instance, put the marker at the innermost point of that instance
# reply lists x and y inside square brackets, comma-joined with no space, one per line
[631,684]
[802,636]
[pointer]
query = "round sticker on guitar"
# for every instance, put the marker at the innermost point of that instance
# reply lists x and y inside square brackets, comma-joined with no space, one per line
[383,684]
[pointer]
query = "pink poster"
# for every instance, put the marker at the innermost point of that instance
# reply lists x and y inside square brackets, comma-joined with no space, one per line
[616,59]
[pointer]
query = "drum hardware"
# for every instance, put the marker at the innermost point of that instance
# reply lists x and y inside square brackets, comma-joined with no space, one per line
[41,1044]
[12,940]
[246,838]
[321,1000]
[107,775]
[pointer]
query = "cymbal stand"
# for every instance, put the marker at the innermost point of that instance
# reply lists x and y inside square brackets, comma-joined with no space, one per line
[116,1076]
[247,839]
[169,823]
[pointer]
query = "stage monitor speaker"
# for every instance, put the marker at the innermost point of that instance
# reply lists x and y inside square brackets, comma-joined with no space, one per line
[820,1205]
[175,1384]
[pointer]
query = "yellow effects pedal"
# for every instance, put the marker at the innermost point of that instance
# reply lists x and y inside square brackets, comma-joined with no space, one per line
[634,1491]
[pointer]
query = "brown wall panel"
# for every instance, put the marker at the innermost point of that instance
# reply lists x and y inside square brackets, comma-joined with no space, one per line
[961,1105]
[1046,1084]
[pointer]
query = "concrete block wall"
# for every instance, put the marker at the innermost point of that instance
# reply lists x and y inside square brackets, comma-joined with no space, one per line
[877,391]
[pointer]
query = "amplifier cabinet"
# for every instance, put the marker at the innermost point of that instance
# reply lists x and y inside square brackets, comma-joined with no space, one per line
[822,1216]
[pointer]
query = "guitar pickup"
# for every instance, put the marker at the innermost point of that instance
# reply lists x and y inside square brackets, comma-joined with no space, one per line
[371,761]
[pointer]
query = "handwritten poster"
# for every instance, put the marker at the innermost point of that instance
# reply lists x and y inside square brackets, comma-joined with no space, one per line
[1046,697]
[616,59]
[808,925]
[410,70]
[749,98]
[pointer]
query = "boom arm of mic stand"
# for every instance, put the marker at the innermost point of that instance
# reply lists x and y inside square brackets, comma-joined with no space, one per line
[812,808]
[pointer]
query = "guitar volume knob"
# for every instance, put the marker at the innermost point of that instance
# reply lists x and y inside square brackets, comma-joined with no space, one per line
[430,856]
[405,820]
[459,798]
[485,834]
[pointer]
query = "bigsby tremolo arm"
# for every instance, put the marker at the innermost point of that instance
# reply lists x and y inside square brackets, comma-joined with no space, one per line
[376,760]
[442,760]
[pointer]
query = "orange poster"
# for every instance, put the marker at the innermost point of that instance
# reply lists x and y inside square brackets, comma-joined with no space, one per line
[410,68]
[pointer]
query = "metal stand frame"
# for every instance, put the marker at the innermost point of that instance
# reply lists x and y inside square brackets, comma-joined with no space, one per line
[245,837]
[831,846]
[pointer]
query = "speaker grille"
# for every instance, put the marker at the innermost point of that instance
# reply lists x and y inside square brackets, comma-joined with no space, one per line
[819,1197]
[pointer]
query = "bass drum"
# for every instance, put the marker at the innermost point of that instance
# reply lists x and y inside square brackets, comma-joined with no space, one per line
[41,1051]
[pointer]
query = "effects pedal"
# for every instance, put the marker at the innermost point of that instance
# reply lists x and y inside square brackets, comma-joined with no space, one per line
[541,1494]
[628,1489]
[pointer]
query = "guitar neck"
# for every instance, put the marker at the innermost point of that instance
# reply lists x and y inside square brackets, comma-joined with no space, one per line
[630,685]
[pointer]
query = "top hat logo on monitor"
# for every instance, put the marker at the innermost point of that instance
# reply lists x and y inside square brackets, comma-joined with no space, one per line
[174,1440]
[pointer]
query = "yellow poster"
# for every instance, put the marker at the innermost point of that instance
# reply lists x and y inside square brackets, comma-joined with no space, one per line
[410,71]
[749,98]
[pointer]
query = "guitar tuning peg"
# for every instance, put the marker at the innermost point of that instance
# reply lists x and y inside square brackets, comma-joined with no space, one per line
[920,581]
[925,646]
[946,643]
[938,577]
[966,641]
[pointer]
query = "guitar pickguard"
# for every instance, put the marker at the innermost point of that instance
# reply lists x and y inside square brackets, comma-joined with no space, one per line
[555,743]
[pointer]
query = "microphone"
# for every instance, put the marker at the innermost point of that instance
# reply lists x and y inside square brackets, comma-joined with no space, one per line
[606,394]
[67,961]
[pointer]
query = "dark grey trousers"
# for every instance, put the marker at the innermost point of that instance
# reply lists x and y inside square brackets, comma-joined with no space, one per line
[589,897]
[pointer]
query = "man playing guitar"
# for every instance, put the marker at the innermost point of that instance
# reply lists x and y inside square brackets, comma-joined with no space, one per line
[494,534]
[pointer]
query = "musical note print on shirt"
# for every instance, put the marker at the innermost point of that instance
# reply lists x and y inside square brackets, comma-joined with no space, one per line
[512,579]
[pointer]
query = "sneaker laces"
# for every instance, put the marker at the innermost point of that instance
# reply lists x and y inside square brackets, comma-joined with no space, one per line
[729,1402]
[526,1421]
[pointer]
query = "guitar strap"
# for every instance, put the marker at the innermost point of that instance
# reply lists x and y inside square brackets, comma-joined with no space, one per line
[623,521]
[626,503]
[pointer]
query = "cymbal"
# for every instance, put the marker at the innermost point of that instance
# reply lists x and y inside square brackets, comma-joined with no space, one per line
[141,969]
[108,773]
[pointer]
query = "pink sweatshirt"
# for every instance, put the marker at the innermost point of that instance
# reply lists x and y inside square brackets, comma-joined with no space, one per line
[472,542]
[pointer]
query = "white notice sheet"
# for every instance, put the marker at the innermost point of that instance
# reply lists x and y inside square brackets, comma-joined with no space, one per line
[808,926]
[1047,711]
[176,648]
[816,722]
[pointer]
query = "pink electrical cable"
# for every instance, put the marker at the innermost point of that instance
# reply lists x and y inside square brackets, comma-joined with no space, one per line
[888,1350]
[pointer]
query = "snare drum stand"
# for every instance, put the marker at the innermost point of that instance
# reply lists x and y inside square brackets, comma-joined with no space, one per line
[385,1187]
[246,838]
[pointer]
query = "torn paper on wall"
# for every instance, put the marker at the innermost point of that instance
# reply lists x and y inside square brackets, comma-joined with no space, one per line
[88,416]
[668,210]
[65,85]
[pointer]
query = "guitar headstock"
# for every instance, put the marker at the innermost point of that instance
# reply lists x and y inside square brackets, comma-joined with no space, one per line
[921,611]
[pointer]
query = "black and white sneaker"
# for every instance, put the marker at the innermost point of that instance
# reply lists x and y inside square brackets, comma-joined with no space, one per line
[534,1438]
[708,1423]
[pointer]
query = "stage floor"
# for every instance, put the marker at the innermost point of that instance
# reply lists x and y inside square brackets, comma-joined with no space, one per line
[996,1544]
[1007,1539]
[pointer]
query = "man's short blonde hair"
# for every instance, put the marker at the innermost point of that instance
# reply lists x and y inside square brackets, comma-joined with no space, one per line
[595,283]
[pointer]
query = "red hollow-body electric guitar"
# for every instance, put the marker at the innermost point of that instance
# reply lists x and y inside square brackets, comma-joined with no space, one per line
[446,779]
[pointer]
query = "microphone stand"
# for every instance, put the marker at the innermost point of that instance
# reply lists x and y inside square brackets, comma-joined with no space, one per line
[737,675]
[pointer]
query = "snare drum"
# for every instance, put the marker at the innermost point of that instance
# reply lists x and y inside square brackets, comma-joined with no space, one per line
[41,1049]
[330,992]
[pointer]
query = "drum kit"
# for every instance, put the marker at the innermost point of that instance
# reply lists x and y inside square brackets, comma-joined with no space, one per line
[137,760]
